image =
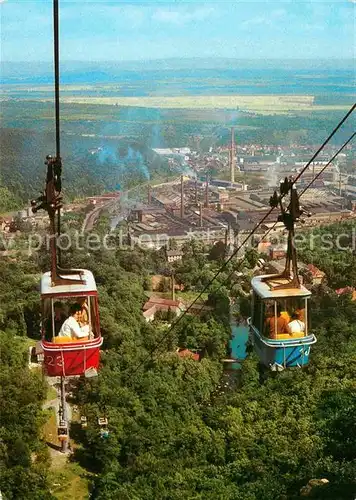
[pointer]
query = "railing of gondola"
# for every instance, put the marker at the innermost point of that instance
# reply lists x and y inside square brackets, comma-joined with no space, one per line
[274,343]
[287,342]
[73,346]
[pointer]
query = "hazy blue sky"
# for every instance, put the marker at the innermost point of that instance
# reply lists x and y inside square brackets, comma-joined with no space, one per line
[121,30]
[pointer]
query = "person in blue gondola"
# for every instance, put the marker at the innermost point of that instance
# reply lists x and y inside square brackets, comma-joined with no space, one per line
[296,325]
[276,325]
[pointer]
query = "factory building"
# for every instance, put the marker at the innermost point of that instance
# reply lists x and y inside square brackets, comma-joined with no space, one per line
[207,211]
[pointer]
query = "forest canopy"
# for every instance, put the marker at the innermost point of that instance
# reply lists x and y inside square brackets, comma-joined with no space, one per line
[179,428]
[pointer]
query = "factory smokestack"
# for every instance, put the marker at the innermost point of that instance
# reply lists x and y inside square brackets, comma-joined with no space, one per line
[207,191]
[173,285]
[232,156]
[149,196]
[201,215]
[181,197]
[228,238]
[196,192]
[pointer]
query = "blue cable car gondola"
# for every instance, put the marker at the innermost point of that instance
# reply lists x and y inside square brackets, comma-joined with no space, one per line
[280,325]
[285,349]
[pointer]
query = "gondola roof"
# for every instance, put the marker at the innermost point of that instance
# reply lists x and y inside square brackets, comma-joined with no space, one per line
[89,284]
[263,289]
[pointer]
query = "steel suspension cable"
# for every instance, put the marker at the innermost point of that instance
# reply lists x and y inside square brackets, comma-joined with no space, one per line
[316,177]
[326,166]
[56,74]
[56,106]
[351,110]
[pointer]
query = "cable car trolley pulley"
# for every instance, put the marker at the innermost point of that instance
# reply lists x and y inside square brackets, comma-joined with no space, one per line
[103,424]
[62,430]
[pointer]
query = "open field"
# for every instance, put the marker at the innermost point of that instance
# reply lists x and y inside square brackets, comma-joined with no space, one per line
[256,103]
[69,481]
[174,86]
[96,132]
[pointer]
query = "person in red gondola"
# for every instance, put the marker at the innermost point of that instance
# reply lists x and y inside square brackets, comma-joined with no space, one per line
[83,317]
[84,313]
[58,320]
[71,327]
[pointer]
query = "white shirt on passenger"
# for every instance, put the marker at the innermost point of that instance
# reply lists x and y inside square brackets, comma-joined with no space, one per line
[296,326]
[71,328]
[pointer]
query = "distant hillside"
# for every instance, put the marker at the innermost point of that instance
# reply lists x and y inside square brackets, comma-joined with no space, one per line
[8,200]
[88,169]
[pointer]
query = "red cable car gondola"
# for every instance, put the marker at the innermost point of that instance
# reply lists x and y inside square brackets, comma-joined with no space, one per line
[69,348]
[71,337]
[63,355]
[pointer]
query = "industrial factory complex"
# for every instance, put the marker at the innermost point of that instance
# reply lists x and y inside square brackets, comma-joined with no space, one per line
[221,195]
[191,208]
[211,209]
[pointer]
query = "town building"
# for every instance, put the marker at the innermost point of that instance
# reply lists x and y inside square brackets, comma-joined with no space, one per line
[174,255]
[155,304]
[186,353]
[347,290]
[317,276]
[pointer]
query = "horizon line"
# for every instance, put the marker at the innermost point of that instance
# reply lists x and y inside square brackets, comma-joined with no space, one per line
[188,58]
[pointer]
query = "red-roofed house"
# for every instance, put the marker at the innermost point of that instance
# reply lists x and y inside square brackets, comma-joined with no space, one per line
[317,275]
[149,314]
[5,224]
[163,304]
[155,304]
[263,246]
[186,353]
[277,252]
[199,308]
[347,289]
